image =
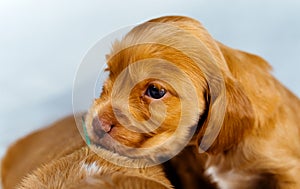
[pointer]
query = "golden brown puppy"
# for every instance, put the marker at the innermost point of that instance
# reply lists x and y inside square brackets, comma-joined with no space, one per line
[168,78]
[56,157]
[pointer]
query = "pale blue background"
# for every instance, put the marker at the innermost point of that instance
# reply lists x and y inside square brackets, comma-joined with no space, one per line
[42,43]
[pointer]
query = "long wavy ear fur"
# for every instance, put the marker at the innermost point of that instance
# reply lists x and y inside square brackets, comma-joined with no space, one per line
[239,116]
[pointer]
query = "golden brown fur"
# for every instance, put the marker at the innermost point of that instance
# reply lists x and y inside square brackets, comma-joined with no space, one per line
[258,143]
[259,137]
[84,169]
[57,157]
[39,148]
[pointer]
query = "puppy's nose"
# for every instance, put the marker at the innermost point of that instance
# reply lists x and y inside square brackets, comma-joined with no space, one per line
[101,126]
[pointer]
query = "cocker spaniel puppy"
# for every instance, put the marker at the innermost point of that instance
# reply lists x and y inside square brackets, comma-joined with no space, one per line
[171,85]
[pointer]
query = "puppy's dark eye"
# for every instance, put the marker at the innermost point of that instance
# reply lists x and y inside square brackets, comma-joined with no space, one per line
[155,92]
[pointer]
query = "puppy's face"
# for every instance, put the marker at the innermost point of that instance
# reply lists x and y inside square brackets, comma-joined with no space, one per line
[167,79]
[152,101]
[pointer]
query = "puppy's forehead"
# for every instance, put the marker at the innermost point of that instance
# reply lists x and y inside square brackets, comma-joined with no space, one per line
[118,61]
[144,42]
[180,45]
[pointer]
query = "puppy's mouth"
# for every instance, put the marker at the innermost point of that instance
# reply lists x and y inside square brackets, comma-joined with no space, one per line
[101,135]
[101,127]
[105,141]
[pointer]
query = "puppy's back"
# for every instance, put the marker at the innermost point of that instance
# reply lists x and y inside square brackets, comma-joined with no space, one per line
[39,148]
[57,157]
[85,169]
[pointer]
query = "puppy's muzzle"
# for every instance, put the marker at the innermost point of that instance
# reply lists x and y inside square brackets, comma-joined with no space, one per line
[101,126]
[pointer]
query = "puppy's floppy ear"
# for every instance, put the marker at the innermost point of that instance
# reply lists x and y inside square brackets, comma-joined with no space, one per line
[239,112]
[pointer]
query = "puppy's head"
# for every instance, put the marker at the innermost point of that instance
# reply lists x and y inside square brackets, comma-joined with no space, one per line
[166,88]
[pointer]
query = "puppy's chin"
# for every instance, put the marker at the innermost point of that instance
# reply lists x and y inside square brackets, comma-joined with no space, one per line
[134,150]
[152,150]
[106,142]
[119,159]
[118,140]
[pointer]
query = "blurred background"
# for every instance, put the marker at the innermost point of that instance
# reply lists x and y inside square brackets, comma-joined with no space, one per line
[43,42]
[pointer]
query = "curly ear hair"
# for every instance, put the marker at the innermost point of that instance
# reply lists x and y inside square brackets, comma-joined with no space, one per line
[242,88]
[237,121]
